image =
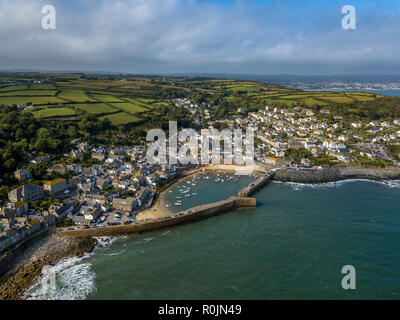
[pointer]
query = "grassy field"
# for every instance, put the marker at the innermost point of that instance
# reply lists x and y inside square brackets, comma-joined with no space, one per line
[25,100]
[129,107]
[74,95]
[95,108]
[120,118]
[42,86]
[31,93]
[52,112]
[105,98]
[13,88]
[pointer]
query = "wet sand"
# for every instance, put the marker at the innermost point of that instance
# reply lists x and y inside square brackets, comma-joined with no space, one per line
[158,210]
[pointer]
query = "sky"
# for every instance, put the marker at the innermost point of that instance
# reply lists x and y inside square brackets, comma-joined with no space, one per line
[303,37]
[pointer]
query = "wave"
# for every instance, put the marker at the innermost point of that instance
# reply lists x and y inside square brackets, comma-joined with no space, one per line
[69,279]
[300,186]
[105,242]
[146,240]
[114,253]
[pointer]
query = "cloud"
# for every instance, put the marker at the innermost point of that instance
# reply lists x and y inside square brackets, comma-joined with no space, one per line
[166,36]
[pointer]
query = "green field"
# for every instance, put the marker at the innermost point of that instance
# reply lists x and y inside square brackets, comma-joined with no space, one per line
[120,118]
[74,95]
[52,112]
[14,88]
[95,108]
[105,98]
[31,93]
[129,107]
[25,100]
[42,86]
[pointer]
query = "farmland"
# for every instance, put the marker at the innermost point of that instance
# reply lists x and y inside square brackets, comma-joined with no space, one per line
[43,113]
[120,118]
[135,99]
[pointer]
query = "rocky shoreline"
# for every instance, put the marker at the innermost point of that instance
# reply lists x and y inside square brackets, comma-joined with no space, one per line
[27,265]
[335,174]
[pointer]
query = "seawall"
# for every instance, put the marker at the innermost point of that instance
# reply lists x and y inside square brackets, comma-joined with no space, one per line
[255,185]
[335,174]
[193,214]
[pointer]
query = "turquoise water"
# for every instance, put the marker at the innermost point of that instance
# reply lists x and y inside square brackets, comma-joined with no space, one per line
[292,246]
[394,93]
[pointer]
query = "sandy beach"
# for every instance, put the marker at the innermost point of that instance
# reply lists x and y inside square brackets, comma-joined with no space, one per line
[158,210]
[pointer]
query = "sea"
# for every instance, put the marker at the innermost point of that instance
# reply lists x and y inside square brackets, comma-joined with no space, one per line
[293,245]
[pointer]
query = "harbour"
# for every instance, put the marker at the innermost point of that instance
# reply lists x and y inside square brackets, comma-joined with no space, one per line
[292,245]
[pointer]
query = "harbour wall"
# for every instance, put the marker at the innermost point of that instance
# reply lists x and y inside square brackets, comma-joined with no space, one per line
[336,174]
[255,185]
[194,214]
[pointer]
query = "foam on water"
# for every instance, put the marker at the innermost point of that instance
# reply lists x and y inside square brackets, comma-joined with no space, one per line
[74,280]
[296,186]
[106,242]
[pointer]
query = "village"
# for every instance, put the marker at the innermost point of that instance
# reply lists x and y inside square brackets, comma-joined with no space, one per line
[110,193]
[122,182]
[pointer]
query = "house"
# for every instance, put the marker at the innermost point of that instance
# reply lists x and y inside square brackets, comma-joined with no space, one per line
[142,196]
[333,145]
[325,111]
[373,124]
[41,159]
[18,209]
[103,183]
[55,186]
[356,124]
[26,193]
[61,211]
[64,168]
[76,154]
[124,204]
[93,214]
[99,198]
[98,156]
[22,174]
[73,182]
[117,152]
[272,161]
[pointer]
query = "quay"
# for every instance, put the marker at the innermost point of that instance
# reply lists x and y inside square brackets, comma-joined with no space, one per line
[191,215]
[256,185]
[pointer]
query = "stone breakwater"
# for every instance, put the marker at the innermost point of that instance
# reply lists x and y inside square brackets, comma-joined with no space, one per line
[194,214]
[335,174]
[256,185]
[27,265]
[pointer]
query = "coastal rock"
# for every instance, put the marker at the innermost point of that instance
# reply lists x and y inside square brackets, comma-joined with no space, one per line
[335,174]
[301,176]
[29,264]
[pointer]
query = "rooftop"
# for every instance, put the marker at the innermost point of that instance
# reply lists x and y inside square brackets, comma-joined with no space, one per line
[53,182]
